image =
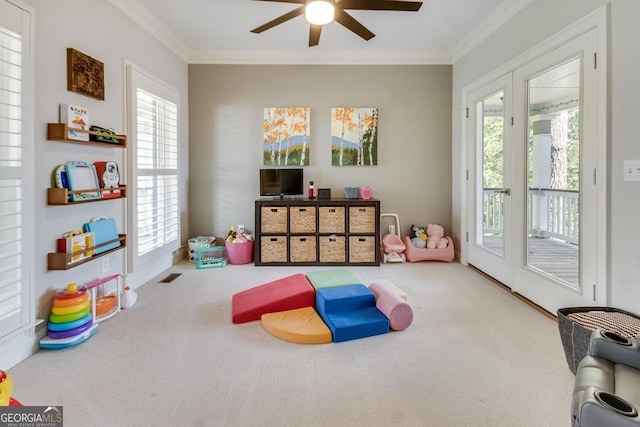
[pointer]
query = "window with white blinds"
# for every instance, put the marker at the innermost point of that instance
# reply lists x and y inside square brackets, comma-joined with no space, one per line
[157,221]
[13,284]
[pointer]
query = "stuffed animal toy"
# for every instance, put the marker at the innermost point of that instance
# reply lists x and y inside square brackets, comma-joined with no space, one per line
[435,237]
[418,237]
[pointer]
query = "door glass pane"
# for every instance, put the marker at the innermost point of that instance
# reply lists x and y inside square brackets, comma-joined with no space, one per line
[490,173]
[553,214]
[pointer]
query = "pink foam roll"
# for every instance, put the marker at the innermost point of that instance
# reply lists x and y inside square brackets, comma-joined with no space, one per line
[397,310]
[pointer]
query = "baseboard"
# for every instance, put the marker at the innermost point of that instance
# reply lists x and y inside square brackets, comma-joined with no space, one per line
[20,346]
[515,294]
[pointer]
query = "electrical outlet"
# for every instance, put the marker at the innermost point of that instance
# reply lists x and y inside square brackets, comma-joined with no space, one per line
[240,228]
[105,264]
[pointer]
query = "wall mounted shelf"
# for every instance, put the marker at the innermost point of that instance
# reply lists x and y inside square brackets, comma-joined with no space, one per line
[60,196]
[61,261]
[59,132]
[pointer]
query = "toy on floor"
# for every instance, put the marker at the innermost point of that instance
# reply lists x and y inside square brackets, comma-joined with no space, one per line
[392,245]
[418,237]
[70,322]
[323,306]
[6,389]
[128,297]
[435,237]
[210,257]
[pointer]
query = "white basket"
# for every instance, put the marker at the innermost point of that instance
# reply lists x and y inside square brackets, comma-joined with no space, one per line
[198,242]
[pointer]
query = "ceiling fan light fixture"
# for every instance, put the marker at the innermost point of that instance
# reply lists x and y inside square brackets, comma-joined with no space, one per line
[319,12]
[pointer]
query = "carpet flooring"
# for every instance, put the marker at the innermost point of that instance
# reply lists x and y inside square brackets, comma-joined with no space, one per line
[474,355]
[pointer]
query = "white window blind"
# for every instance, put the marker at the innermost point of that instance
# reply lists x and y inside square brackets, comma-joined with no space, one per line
[13,291]
[157,221]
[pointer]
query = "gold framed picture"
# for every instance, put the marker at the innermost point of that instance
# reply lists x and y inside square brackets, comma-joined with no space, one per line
[85,75]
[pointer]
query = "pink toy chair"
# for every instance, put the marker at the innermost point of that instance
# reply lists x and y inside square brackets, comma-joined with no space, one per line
[392,244]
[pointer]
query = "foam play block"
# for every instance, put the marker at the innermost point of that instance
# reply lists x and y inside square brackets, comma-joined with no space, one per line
[350,312]
[388,284]
[330,278]
[283,294]
[301,325]
[397,310]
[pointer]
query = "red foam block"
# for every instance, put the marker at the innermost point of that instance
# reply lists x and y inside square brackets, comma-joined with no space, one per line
[288,293]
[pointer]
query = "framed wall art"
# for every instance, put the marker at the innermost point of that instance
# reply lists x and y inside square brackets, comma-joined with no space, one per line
[85,75]
[354,136]
[286,136]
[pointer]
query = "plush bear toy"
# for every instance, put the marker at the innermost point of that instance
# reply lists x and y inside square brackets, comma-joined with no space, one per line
[418,237]
[435,237]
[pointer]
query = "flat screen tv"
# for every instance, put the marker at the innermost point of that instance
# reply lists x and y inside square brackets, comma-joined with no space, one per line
[281,182]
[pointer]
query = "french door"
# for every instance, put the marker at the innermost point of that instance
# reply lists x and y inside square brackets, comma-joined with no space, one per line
[533,181]
[490,148]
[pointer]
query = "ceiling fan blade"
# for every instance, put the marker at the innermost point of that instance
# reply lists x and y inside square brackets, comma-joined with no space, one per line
[348,21]
[286,1]
[279,20]
[314,34]
[402,6]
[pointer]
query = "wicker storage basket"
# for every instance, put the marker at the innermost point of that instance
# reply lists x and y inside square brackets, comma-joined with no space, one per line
[331,219]
[273,219]
[577,323]
[302,219]
[332,249]
[362,219]
[273,249]
[362,249]
[303,248]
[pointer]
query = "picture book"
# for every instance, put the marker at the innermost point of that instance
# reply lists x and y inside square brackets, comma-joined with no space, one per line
[75,118]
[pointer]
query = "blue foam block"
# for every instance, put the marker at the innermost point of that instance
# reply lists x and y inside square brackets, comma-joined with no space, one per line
[350,312]
[343,298]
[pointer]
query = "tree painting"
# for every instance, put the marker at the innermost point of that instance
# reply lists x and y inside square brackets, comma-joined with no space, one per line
[354,136]
[286,136]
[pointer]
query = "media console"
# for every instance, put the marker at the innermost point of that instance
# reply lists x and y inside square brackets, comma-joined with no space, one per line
[317,232]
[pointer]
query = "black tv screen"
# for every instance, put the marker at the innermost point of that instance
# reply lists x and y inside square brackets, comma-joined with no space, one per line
[281,182]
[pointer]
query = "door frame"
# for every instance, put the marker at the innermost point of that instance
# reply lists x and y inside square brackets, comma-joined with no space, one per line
[597,20]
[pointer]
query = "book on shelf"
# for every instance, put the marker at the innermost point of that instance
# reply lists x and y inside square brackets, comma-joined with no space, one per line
[75,117]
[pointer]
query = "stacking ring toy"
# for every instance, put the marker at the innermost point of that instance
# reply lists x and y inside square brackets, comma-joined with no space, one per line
[71,332]
[70,309]
[67,295]
[63,318]
[57,302]
[57,327]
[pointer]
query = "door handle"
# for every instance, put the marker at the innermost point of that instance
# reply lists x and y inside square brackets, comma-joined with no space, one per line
[505,191]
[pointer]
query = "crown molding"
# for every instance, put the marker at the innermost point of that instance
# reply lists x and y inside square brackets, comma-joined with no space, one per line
[312,57]
[501,14]
[147,20]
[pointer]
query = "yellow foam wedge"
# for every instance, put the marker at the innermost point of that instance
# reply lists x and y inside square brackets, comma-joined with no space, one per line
[300,325]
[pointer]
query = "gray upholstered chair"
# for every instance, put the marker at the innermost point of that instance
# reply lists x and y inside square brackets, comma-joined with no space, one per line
[607,386]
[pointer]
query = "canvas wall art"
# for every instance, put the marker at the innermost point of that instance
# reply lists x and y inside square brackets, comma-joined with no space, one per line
[286,139]
[354,136]
[85,75]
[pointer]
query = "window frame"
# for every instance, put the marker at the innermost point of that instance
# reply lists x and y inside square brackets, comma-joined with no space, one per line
[140,79]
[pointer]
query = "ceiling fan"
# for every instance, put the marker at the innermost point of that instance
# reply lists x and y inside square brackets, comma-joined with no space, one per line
[321,12]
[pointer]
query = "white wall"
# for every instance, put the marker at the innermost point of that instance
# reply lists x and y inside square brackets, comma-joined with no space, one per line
[413,175]
[98,29]
[535,23]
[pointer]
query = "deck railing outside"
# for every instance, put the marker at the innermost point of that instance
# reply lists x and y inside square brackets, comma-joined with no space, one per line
[551,213]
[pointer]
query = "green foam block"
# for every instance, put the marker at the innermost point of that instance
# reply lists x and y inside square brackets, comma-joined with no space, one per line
[330,278]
